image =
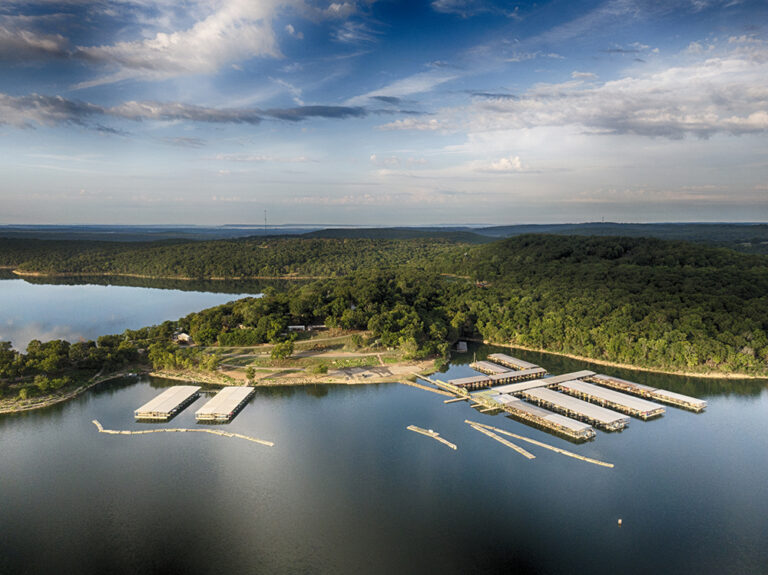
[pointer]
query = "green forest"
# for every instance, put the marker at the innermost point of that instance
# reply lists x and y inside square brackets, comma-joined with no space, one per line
[650,303]
[239,258]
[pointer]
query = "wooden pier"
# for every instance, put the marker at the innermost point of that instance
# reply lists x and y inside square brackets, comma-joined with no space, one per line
[168,403]
[225,404]
[182,430]
[611,399]
[433,434]
[577,409]
[541,444]
[645,391]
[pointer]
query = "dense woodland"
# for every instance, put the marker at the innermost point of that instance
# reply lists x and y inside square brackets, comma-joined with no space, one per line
[650,303]
[243,258]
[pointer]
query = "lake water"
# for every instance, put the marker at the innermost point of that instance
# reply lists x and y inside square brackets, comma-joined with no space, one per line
[76,312]
[347,489]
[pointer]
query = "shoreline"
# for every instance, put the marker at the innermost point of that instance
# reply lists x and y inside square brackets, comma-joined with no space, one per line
[705,375]
[22,273]
[48,401]
[206,378]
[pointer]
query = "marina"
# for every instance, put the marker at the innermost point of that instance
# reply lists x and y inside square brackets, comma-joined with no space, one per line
[577,409]
[225,404]
[611,399]
[168,403]
[640,390]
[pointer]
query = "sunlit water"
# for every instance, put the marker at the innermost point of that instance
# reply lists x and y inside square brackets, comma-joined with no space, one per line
[347,489]
[76,312]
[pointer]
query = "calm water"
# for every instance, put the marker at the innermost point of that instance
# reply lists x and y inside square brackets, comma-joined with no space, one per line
[74,312]
[347,489]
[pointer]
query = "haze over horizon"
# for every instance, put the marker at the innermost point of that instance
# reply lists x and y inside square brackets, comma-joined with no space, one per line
[362,112]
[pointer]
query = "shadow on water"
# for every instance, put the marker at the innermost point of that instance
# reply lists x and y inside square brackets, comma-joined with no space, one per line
[694,386]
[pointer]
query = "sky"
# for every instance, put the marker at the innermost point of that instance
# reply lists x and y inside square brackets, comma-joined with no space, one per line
[363,112]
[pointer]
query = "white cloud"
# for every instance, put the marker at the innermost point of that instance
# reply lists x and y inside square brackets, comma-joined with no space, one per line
[236,31]
[412,124]
[23,45]
[292,31]
[414,84]
[507,165]
[583,75]
[724,92]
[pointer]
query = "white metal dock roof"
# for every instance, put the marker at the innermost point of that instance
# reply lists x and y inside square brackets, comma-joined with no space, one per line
[504,358]
[490,367]
[225,401]
[632,384]
[544,382]
[169,399]
[542,413]
[612,396]
[468,380]
[593,412]
[663,393]
[521,373]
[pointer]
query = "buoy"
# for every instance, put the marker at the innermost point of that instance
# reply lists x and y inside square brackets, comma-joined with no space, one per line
[619,522]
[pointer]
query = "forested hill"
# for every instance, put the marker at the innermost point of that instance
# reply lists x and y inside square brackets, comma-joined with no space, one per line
[643,302]
[459,236]
[749,238]
[243,258]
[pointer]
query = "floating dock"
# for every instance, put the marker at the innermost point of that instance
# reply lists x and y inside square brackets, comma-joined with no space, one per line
[518,388]
[577,409]
[544,419]
[484,381]
[168,403]
[540,444]
[512,362]
[433,434]
[489,367]
[662,395]
[225,404]
[524,452]
[611,399]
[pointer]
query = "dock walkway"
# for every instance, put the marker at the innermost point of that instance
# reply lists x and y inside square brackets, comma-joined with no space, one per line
[181,430]
[433,434]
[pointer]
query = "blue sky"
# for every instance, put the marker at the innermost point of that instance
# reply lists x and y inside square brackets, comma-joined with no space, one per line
[382,112]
